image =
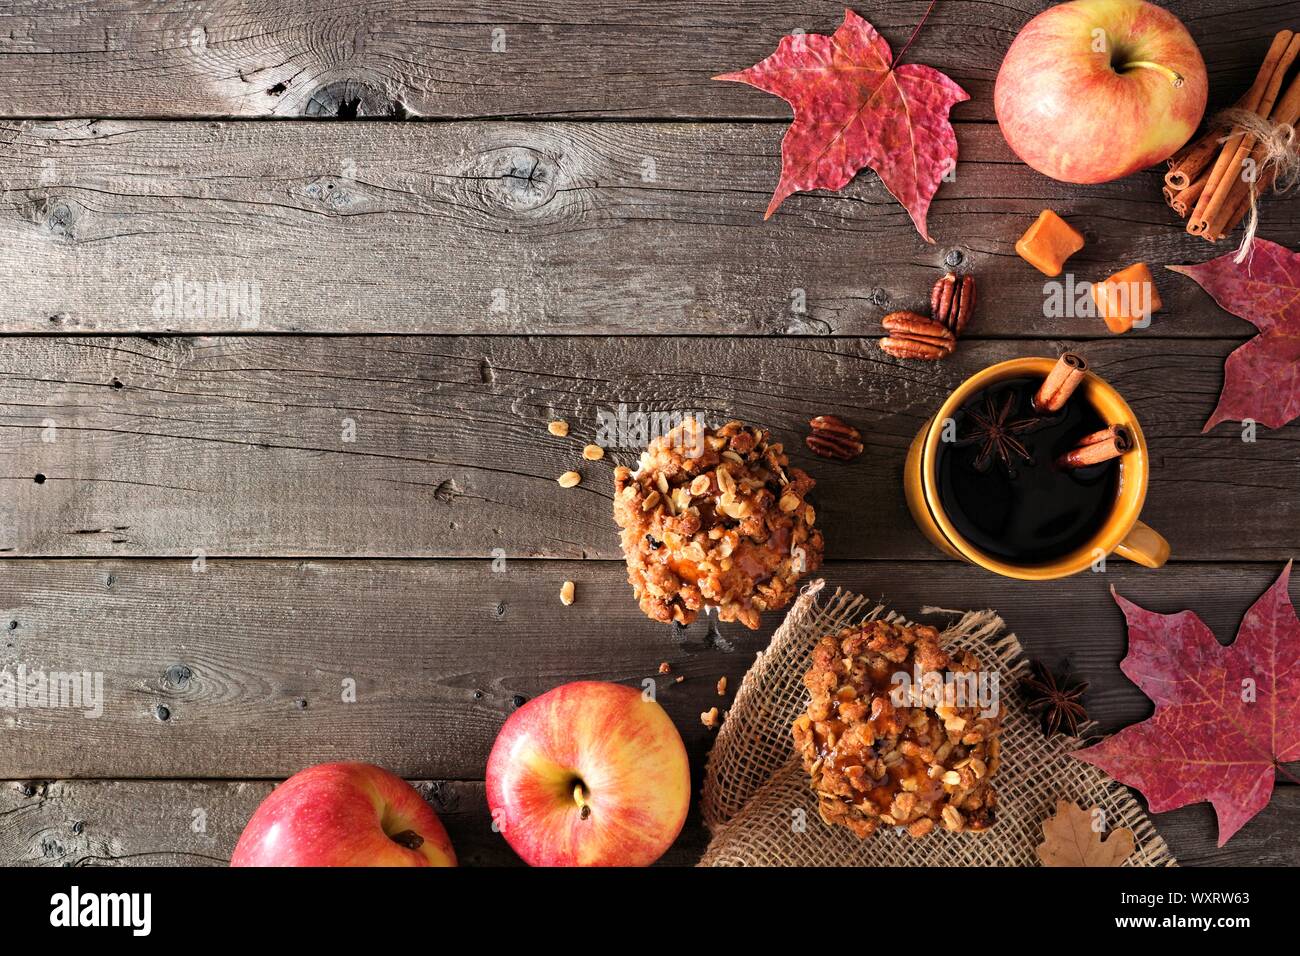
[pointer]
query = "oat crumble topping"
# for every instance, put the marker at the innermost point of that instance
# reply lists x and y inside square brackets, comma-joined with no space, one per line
[715,518]
[872,763]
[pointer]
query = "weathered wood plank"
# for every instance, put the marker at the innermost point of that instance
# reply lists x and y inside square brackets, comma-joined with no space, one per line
[234,651]
[243,669]
[375,446]
[197,823]
[510,58]
[535,228]
[152,823]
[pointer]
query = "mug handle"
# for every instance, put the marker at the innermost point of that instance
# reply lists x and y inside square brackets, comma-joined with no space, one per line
[1145,546]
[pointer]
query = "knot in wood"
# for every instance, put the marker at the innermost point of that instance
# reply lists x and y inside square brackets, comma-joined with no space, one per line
[447,490]
[518,179]
[335,193]
[58,217]
[352,99]
[446,799]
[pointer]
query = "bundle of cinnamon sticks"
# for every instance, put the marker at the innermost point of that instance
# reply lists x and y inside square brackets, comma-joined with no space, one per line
[1212,180]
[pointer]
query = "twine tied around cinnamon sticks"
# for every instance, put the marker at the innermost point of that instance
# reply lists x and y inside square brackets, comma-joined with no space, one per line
[1215,180]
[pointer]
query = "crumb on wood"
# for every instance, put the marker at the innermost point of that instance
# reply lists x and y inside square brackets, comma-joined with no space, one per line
[711,718]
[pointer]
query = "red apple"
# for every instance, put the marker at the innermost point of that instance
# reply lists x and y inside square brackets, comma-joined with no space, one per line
[344,814]
[589,774]
[1097,89]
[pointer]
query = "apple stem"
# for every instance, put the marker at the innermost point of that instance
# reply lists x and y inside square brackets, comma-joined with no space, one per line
[580,798]
[409,839]
[1175,77]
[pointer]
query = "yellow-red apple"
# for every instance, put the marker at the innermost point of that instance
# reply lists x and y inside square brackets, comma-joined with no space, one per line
[589,774]
[1097,89]
[344,814]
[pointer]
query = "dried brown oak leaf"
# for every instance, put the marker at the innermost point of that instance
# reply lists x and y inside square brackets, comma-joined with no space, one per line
[1070,840]
[854,106]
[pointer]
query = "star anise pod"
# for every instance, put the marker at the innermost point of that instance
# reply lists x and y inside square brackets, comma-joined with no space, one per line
[996,436]
[1057,700]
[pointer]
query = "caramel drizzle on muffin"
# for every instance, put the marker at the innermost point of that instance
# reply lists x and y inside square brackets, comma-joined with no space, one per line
[715,518]
[875,759]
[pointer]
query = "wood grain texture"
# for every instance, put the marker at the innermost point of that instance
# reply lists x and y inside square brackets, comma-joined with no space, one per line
[240,445]
[247,659]
[197,823]
[508,58]
[538,228]
[152,823]
[219,674]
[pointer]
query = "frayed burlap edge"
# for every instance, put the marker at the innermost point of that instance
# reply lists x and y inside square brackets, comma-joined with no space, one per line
[761,811]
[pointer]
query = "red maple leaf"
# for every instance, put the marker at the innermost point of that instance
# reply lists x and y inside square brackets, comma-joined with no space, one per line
[854,108]
[1226,717]
[1261,380]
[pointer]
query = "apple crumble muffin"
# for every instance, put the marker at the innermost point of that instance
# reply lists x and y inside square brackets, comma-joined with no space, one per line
[899,732]
[715,518]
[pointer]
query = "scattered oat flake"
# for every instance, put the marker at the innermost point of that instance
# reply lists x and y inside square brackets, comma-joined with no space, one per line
[722,686]
[559,428]
[679,678]
[593,453]
[569,479]
[566,593]
[665,667]
[710,718]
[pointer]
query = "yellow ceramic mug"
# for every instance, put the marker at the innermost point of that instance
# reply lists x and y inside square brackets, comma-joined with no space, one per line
[1122,533]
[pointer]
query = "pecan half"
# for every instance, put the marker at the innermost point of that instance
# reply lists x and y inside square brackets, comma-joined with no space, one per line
[914,336]
[832,437]
[952,300]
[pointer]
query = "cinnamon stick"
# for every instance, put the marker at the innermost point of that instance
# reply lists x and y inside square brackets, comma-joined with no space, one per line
[1184,200]
[1286,112]
[1066,375]
[1232,178]
[1188,163]
[1098,447]
[1241,205]
[1110,431]
[1279,50]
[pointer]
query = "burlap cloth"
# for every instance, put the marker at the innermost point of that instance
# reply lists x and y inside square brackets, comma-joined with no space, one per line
[761,811]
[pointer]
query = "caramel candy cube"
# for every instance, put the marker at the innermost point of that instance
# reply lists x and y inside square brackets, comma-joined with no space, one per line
[1048,243]
[1127,297]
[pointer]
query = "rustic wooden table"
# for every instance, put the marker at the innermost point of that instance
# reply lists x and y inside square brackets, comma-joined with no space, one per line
[237,503]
